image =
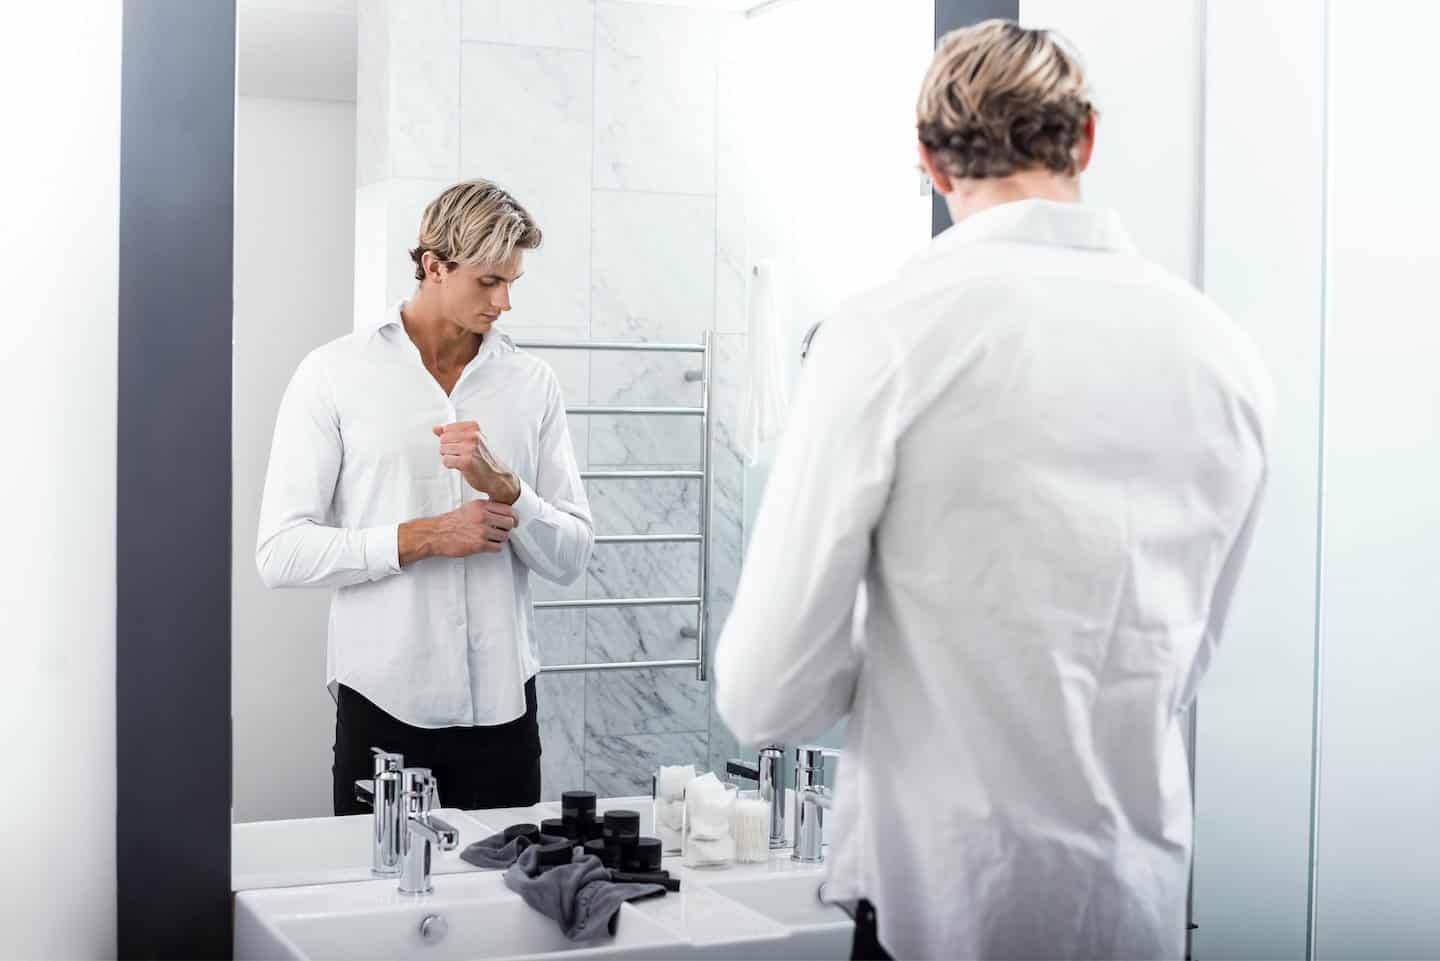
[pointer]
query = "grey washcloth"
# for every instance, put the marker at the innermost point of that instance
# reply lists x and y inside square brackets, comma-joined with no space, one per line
[579,896]
[495,853]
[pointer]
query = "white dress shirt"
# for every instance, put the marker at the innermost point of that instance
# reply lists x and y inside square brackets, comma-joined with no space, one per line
[1041,457]
[446,641]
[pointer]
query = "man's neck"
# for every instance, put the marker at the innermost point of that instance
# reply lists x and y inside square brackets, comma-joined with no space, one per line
[972,196]
[442,344]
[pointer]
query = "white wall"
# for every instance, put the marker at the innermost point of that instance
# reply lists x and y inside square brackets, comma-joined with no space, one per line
[294,259]
[59,190]
[832,213]
[833,197]
[1379,817]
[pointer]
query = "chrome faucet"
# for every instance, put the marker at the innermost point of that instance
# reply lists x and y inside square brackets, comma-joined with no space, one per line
[768,773]
[812,799]
[420,830]
[382,793]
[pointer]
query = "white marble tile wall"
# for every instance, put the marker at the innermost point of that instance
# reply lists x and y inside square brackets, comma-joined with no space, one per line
[372,93]
[424,89]
[525,123]
[606,120]
[731,263]
[653,280]
[566,24]
[655,97]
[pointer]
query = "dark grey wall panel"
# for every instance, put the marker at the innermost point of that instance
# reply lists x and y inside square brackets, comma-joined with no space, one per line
[172,630]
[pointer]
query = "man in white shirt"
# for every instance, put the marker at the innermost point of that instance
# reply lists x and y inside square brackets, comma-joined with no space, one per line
[1041,458]
[423,469]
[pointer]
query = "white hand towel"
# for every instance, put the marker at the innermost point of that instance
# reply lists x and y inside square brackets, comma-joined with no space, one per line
[767,392]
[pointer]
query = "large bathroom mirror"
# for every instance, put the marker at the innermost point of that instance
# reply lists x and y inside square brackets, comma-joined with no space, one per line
[695,170]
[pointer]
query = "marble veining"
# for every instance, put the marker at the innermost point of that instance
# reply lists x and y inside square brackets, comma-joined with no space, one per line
[619,766]
[655,103]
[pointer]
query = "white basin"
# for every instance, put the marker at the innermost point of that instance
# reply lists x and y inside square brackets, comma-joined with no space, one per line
[372,920]
[792,899]
[757,912]
[267,854]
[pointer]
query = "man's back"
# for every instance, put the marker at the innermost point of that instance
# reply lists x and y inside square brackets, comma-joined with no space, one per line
[1058,449]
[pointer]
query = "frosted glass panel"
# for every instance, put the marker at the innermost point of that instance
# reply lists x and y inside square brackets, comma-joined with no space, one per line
[1263,264]
[1379,852]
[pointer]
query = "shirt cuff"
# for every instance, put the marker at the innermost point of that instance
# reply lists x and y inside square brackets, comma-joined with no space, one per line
[382,551]
[527,506]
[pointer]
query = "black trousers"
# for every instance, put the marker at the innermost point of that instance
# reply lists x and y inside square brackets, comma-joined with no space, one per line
[866,946]
[474,767]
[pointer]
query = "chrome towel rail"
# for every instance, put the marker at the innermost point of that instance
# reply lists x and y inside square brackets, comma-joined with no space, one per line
[699,601]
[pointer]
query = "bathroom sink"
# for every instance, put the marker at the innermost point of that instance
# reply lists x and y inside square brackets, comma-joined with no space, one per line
[371,920]
[816,929]
[267,854]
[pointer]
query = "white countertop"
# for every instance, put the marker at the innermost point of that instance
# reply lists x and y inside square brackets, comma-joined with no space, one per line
[304,890]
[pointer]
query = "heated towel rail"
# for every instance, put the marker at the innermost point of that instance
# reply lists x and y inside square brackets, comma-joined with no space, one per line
[706,351]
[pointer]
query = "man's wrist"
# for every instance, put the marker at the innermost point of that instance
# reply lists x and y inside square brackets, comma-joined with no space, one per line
[509,490]
[416,540]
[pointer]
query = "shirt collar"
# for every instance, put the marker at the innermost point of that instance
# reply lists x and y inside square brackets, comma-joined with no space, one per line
[1043,222]
[391,322]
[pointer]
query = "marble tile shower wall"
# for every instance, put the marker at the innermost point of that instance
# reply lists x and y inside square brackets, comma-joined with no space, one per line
[604,117]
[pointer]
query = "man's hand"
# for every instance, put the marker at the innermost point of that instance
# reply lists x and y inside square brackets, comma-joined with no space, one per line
[463,448]
[479,527]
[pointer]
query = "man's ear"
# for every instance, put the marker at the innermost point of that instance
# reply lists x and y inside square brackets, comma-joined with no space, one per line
[1086,148]
[937,176]
[433,266]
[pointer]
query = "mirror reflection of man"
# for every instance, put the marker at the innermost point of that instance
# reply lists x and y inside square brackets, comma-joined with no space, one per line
[1042,456]
[422,467]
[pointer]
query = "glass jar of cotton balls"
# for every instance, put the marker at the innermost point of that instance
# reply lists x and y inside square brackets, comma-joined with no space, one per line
[708,838]
[669,804]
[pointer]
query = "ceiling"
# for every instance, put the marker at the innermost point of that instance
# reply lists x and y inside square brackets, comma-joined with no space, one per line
[305,49]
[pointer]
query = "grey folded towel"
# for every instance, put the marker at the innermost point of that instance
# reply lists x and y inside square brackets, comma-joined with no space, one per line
[579,896]
[496,853]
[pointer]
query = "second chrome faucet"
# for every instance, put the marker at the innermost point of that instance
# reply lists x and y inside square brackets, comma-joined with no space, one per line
[768,773]
[402,799]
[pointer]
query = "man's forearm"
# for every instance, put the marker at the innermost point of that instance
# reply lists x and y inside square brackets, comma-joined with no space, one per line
[503,488]
[417,540]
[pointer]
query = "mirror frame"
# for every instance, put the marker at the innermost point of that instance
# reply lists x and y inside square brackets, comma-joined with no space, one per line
[173,467]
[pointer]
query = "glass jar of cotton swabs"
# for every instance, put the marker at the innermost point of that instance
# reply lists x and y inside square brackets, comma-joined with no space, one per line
[751,828]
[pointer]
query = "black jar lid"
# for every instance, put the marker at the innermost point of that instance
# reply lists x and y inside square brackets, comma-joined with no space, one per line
[608,854]
[622,824]
[576,805]
[643,855]
[554,855]
[556,828]
[530,832]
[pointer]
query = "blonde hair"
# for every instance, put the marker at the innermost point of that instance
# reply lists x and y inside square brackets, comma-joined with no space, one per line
[474,222]
[1000,98]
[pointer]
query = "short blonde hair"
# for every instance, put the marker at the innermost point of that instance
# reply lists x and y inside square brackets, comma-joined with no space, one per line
[1000,98]
[474,222]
